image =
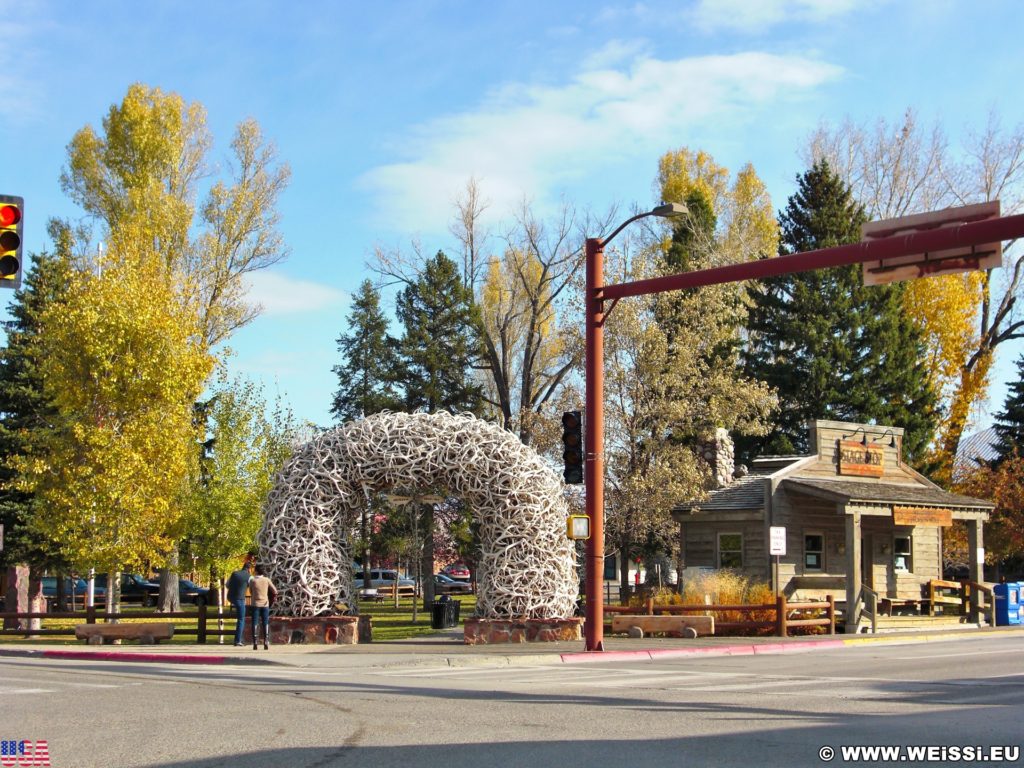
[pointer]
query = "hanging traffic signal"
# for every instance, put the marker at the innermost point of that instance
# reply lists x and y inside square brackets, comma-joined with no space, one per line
[572,442]
[11,209]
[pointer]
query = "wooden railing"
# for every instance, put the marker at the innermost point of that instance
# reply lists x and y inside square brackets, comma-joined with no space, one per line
[868,604]
[206,621]
[984,604]
[785,614]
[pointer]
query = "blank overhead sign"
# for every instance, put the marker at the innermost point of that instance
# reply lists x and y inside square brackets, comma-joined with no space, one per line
[965,259]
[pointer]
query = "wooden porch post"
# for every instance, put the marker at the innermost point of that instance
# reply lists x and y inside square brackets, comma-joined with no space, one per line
[853,574]
[976,551]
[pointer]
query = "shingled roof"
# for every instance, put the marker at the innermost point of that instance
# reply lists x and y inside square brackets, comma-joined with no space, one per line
[846,491]
[744,493]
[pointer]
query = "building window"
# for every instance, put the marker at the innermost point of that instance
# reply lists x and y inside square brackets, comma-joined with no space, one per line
[901,553]
[814,552]
[730,550]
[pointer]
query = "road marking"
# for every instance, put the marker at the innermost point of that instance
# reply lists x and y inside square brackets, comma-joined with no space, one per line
[17,691]
[948,655]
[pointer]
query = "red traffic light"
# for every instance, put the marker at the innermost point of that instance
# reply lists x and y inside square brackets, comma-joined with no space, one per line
[9,215]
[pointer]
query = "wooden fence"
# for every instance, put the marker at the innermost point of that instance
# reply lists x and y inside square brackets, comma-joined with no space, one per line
[785,615]
[206,621]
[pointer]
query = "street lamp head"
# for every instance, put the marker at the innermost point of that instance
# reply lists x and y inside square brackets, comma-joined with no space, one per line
[665,210]
[669,210]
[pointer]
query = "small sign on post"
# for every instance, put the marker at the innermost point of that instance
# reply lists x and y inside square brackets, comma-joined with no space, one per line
[777,547]
[777,540]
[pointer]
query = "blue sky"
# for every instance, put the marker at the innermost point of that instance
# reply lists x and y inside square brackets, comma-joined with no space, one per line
[383,112]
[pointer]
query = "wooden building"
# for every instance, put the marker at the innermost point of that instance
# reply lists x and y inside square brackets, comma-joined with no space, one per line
[854,516]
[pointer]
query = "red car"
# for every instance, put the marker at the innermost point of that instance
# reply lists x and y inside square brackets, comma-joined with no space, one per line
[457,571]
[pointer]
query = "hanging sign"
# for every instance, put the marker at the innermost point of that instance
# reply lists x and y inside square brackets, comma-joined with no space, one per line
[921,516]
[862,460]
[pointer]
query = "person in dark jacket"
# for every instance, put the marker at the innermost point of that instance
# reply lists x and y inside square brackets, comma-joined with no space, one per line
[238,585]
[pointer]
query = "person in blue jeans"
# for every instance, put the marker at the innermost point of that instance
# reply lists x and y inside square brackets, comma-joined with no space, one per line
[238,585]
[263,593]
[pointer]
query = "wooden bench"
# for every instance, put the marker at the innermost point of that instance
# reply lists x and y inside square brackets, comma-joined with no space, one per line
[674,626]
[98,634]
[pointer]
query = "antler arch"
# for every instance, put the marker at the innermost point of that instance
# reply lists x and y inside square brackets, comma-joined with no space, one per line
[527,566]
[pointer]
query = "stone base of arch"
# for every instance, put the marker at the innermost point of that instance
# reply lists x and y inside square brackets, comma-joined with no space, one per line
[318,630]
[491,631]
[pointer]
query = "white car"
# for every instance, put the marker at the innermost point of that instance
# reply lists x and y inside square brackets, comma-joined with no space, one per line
[384,579]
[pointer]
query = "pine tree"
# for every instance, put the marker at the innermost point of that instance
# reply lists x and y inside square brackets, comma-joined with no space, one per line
[441,342]
[1009,424]
[832,348]
[370,367]
[25,412]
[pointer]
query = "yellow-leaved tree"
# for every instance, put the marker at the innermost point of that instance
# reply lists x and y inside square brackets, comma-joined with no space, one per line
[122,363]
[139,178]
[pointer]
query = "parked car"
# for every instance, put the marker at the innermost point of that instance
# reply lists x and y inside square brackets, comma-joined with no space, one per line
[456,571]
[190,592]
[445,585]
[80,587]
[135,588]
[384,579]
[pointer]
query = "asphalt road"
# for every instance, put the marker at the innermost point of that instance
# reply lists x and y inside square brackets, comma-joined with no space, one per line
[764,710]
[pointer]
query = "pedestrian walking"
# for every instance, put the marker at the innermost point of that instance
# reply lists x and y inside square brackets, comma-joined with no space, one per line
[263,593]
[238,585]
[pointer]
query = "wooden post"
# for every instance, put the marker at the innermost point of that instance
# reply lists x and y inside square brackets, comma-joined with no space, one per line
[650,606]
[976,553]
[831,613]
[90,614]
[853,574]
[201,628]
[780,616]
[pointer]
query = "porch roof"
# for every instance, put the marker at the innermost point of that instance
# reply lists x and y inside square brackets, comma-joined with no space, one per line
[852,491]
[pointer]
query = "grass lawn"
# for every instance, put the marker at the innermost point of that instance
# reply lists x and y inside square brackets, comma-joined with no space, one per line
[389,623]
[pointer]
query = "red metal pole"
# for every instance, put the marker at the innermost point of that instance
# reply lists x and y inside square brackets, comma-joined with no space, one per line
[593,442]
[931,241]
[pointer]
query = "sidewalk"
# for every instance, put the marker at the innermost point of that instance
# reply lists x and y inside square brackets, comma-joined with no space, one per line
[447,649]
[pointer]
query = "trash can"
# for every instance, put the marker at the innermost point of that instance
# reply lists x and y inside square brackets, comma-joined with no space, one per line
[1008,604]
[444,614]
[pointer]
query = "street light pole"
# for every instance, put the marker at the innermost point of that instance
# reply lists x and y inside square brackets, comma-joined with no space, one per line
[593,442]
[966,237]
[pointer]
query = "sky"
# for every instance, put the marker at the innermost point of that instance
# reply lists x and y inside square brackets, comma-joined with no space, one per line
[383,111]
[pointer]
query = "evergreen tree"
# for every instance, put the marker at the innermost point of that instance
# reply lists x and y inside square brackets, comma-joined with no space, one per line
[25,412]
[1009,424]
[833,348]
[370,367]
[441,340]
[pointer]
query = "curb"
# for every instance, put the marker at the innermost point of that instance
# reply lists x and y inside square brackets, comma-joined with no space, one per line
[520,659]
[742,649]
[130,656]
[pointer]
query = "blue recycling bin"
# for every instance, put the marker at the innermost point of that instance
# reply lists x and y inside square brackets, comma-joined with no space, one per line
[1009,609]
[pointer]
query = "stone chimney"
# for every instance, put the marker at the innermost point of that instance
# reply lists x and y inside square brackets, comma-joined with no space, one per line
[718,451]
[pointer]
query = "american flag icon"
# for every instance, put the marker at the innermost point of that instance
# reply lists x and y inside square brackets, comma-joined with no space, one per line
[24,753]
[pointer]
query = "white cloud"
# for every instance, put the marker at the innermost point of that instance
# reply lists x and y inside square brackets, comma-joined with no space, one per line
[532,139]
[281,295]
[758,16]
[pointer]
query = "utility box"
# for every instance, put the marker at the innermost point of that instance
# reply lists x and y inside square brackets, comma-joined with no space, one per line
[1009,609]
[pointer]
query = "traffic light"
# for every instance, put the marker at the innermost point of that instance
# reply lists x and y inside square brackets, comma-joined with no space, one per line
[572,442]
[11,209]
